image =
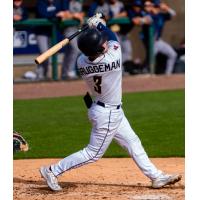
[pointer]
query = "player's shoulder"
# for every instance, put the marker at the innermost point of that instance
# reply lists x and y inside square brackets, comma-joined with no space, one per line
[81,60]
[114,45]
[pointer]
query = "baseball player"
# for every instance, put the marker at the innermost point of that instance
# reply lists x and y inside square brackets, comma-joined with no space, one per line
[141,18]
[160,13]
[101,67]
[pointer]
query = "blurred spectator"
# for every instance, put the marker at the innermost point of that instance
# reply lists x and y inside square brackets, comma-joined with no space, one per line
[137,14]
[181,48]
[180,62]
[117,10]
[141,18]
[53,10]
[19,12]
[160,13]
[71,51]
[99,6]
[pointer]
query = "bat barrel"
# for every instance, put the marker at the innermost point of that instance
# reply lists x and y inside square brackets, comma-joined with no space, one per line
[44,56]
[40,59]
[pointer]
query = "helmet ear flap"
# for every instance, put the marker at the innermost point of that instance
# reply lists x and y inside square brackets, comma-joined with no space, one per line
[104,38]
[100,50]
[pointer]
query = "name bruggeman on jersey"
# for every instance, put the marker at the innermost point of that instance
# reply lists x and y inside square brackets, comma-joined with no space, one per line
[99,68]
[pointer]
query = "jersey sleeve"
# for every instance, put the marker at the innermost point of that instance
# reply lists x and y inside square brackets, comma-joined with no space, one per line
[109,33]
[78,62]
[114,46]
[114,50]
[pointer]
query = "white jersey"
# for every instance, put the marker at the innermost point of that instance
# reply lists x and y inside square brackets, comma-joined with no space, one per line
[104,74]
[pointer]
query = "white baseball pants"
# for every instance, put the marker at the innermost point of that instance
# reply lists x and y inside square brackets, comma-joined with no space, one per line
[108,123]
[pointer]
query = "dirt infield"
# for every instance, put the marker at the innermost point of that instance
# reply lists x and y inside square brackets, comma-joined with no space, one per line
[113,179]
[71,88]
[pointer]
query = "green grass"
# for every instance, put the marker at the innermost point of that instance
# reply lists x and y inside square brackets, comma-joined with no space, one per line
[58,127]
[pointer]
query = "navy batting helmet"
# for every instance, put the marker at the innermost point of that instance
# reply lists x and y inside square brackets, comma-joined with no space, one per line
[90,42]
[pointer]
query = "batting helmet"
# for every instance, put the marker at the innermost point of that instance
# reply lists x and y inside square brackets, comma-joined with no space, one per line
[90,42]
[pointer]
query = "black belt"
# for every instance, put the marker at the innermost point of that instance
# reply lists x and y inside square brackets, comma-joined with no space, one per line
[103,105]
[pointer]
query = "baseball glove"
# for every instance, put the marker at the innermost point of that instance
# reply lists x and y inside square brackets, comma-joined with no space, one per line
[19,143]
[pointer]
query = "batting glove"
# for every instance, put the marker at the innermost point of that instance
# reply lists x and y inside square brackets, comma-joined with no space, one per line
[95,20]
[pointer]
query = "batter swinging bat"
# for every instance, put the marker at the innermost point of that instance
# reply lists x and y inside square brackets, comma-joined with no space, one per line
[58,46]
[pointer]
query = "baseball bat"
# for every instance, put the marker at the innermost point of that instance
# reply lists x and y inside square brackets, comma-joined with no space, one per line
[54,49]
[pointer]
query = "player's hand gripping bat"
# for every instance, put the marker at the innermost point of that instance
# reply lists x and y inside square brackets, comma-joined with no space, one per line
[41,58]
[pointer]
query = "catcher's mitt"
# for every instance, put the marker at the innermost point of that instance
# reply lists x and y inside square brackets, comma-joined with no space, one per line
[19,143]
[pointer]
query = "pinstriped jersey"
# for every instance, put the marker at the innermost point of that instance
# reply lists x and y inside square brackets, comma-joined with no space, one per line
[104,75]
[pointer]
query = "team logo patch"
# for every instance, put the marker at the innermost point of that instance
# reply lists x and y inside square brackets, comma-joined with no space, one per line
[116,47]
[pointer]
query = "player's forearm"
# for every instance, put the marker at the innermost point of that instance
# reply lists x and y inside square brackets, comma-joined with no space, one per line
[122,14]
[166,9]
[110,34]
[100,24]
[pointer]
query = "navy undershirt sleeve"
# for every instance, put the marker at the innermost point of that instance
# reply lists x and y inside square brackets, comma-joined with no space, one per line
[110,34]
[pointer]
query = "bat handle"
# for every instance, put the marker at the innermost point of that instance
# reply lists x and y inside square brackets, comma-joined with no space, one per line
[78,32]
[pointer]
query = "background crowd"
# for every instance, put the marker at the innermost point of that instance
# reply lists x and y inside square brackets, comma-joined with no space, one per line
[142,13]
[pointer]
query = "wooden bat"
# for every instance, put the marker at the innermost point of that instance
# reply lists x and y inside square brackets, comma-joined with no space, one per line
[54,49]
